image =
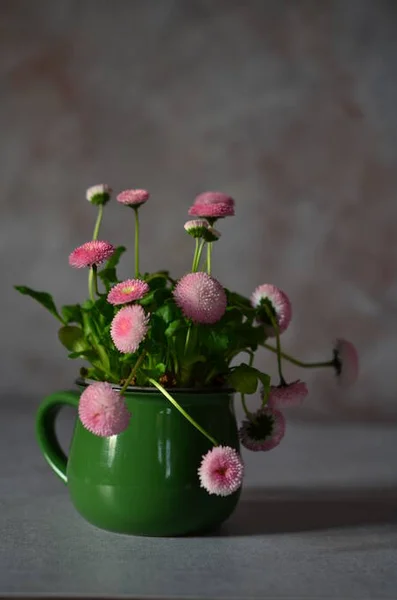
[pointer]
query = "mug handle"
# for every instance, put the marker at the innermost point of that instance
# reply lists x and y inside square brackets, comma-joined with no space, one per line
[45,429]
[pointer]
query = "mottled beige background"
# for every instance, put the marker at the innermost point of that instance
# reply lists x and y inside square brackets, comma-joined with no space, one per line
[289,106]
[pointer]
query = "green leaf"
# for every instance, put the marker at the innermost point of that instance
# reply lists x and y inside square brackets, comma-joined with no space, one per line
[72,338]
[265,380]
[43,298]
[157,329]
[175,326]
[169,311]
[244,379]
[72,314]
[157,281]
[90,355]
[115,258]
[108,274]
[155,297]
[156,372]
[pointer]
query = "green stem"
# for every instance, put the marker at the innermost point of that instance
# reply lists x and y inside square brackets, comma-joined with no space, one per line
[299,363]
[183,412]
[197,264]
[278,345]
[133,372]
[136,241]
[243,402]
[195,254]
[209,252]
[91,282]
[98,222]
[187,338]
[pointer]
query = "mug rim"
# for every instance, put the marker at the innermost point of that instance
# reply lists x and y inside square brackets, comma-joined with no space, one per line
[83,382]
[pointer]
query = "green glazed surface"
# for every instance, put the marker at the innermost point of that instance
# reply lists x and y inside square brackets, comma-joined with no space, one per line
[144,481]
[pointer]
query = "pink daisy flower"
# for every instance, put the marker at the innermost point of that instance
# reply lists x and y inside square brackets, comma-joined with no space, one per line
[271,297]
[346,362]
[127,291]
[99,194]
[133,197]
[292,394]
[102,410]
[213,205]
[265,431]
[201,298]
[90,254]
[214,198]
[221,471]
[129,327]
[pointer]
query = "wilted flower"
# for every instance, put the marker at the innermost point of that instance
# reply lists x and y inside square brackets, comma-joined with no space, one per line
[99,194]
[291,394]
[127,291]
[270,297]
[129,327]
[221,471]
[201,297]
[265,431]
[102,410]
[90,254]
[346,362]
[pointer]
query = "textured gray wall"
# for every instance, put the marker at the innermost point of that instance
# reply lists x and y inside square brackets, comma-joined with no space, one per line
[287,106]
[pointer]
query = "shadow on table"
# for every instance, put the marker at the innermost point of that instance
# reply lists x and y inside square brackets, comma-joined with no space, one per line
[286,511]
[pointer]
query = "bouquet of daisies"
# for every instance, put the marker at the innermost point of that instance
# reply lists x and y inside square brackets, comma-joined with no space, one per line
[153,330]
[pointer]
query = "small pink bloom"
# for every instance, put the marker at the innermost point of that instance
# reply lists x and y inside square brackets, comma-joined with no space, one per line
[201,298]
[129,327]
[91,253]
[265,431]
[221,471]
[213,211]
[127,291]
[214,198]
[133,197]
[271,297]
[102,410]
[213,205]
[292,394]
[346,362]
[99,194]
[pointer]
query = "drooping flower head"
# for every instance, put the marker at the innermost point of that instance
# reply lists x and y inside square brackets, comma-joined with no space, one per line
[265,431]
[201,298]
[221,471]
[127,291]
[99,194]
[133,197]
[346,362]
[102,410]
[212,235]
[90,254]
[292,394]
[269,297]
[212,205]
[129,328]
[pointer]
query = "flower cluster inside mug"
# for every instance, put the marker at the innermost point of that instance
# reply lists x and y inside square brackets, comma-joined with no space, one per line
[152,330]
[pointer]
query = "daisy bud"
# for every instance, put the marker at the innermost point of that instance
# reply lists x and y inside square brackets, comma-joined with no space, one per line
[99,194]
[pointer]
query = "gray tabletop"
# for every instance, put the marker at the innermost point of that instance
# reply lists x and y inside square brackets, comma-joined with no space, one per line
[317,519]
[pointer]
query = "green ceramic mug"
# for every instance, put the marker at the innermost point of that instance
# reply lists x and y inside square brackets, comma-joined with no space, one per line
[144,481]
